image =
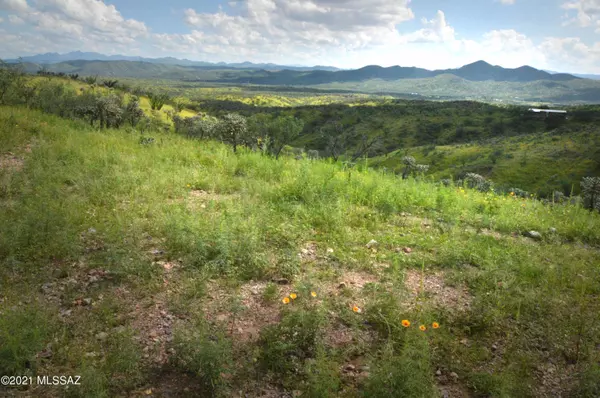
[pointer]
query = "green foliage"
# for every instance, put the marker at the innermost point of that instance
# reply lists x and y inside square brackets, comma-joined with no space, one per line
[132,112]
[24,332]
[206,353]
[590,188]
[157,100]
[283,131]
[406,373]
[286,346]
[11,77]
[233,129]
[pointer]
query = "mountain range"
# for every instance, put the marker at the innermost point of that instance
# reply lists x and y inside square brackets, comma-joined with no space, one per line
[54,58]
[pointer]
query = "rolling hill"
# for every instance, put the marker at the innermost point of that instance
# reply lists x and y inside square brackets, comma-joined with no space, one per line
[54,58]
[477,81]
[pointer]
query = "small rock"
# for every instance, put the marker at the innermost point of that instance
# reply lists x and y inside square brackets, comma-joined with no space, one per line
[372,243]
[91,231]
[534,235]
[282,281]
[454,376]
[87,301]
[438,373]
[349,368]
[407,250]
[329,250]
[553,230]
[91,354]
[494,347]
[364,368]
[304,251]
[102,336]
[342,285]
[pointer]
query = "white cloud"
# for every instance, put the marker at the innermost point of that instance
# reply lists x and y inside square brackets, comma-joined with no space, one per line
[436,30]
[15,20]
[346,33]
[507,2]
[14,5]
[81,24]
[571,54]
[588,13]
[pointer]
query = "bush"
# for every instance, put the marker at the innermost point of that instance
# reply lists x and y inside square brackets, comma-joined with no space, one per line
[590,188]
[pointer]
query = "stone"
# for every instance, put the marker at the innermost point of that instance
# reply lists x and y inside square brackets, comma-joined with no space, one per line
[372,243]
[349,368]
[494,347]
[407,250]
[534,235]
[329,250]
[102,336]
[87,301]
[342,285]
[438,373]
[282,281]
[553,230]
[454,376]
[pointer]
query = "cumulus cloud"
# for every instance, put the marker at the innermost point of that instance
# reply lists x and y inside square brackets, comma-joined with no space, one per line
[346,33]
[507,2]
[85,23]
[15,20]
[436,30]
[587,13]
[14,5]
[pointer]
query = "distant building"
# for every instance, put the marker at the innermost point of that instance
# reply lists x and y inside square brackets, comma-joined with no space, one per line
[549,112]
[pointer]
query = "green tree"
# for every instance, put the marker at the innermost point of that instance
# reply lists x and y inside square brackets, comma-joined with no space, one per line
[233,129]
[10,76]
[590,188]
[283,131]
[132,112]
[337,136]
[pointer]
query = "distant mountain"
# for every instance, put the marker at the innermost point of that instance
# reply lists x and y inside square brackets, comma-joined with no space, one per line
[581,75]
[477,71]
[53,58]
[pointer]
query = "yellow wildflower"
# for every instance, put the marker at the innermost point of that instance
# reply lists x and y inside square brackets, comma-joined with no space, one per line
[405,323]
[293,296]
[423,328]
[435,325]
[314,294]
[286,300]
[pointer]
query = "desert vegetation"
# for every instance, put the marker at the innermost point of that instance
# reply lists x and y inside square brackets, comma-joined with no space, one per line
[155,252]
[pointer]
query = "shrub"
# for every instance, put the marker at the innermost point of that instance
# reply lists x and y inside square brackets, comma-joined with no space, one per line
[476,181]
[590,188]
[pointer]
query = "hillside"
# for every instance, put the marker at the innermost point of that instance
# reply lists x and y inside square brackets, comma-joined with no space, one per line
[175,267]
[478,81]
[52,58]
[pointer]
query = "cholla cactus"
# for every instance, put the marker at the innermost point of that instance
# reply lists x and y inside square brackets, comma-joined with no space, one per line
[590,188]
[411,166]
[479,182]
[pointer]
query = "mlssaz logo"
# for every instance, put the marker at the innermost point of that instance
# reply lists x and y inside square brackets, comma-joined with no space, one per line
[58,380]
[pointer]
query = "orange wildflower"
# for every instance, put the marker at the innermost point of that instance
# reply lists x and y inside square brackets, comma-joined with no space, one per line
[286,300]
[405,323]
[356,309]
[435,325]
[423,328]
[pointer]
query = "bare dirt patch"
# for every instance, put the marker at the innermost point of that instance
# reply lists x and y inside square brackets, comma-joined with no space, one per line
[254,311]
[11,163]
[430,287]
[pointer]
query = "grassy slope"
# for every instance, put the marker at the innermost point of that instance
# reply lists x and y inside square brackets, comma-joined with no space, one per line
[539,163]
[173,243]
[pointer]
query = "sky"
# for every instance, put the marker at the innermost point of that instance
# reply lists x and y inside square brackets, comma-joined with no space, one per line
[558,35]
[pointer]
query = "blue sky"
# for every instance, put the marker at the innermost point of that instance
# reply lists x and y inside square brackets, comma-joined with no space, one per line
[561,35]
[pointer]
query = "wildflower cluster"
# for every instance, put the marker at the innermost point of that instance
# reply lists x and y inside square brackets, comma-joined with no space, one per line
[294,296]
